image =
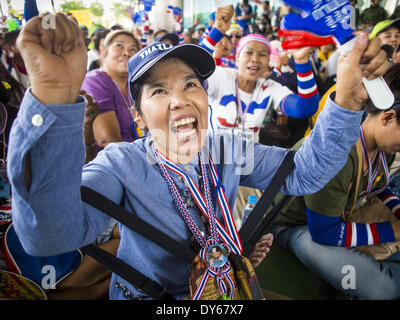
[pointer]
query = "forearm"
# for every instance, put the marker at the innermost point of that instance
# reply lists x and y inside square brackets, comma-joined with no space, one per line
[305,103]
[209,42]
[48,214]
[391,201]
[337,232]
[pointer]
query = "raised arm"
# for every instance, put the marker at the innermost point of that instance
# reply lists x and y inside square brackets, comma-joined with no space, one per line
[222,24]
[317,165]
[53,58]
[336,131]
[46,148]
[305,103]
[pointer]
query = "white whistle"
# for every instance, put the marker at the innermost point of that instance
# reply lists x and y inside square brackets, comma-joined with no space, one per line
[378,90]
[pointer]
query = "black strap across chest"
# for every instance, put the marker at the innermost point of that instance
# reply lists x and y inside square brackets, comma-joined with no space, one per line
[252,230]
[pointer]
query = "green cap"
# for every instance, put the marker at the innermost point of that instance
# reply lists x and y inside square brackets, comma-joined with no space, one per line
[383,26]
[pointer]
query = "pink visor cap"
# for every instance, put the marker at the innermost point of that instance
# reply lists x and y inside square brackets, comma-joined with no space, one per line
[252,37]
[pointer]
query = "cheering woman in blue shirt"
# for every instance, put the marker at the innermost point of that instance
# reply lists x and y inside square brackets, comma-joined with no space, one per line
[151,175]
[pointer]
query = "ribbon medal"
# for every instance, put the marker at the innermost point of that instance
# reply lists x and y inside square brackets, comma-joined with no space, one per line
[216,256]
[373,174]
[222,240]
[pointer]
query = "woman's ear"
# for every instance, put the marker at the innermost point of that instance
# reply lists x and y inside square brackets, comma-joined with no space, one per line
[138,118]
[387,117]
[103,54]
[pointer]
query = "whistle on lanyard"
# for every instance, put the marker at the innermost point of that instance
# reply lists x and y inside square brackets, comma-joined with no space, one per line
[299,39]
[334,18]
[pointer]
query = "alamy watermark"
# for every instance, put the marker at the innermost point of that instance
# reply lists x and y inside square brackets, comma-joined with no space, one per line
[49,21]
[224,148]
[349,280]
[49,279]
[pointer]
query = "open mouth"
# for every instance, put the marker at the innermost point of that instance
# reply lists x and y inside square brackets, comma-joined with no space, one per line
[184,128]
[253,70]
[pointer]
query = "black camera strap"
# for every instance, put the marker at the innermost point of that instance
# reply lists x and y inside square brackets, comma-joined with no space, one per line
[250,232]
[258,221]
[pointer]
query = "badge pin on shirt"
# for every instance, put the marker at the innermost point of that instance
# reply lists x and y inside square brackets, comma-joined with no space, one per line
[332,18]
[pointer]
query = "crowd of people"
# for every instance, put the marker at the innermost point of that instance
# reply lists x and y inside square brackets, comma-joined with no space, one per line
[117,110]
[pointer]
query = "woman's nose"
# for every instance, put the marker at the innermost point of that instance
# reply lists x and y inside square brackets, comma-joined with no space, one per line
[178,100]
[254,57]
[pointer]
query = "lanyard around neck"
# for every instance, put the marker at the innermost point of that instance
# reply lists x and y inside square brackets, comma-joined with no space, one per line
[372,175]
[241,114]
[231,240]
[228,235]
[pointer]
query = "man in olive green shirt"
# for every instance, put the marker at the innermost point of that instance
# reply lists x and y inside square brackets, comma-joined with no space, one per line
[316,229]
[372,15]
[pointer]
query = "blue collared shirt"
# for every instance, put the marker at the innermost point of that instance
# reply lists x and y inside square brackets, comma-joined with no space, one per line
[50,217]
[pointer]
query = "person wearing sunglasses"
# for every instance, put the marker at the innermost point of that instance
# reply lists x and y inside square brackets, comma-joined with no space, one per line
[235,32]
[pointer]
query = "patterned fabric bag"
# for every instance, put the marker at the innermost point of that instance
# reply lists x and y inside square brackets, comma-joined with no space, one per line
[247,286]
[375,211]
[16,287]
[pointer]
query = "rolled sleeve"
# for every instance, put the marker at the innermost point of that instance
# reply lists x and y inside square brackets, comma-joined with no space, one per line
[45,132]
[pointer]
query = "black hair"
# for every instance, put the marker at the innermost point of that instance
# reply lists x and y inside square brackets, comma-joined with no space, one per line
[100,35]
[158,32]
[392,78]
[116,27]
[136,91]
[137,86]
[13,95]
[10,37]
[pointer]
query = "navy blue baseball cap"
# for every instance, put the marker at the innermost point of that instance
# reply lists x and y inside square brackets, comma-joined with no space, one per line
[194,55]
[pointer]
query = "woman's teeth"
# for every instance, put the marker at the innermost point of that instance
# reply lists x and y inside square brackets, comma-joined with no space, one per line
[182,122]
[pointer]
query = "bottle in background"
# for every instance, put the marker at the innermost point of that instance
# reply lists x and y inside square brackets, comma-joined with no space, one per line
[251,203]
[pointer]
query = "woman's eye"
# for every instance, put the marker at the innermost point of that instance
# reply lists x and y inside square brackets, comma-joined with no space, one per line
[158,91]
[191,85]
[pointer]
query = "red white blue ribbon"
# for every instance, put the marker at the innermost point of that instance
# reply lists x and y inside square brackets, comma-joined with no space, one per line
[372,175]
[229,236]
[235,243]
